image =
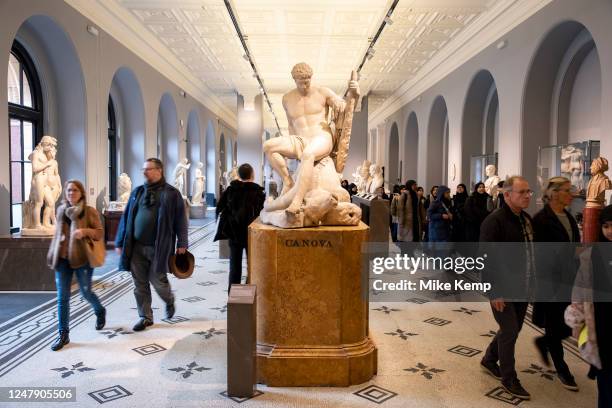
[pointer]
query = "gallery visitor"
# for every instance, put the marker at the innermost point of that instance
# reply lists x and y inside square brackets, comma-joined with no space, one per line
[410,215]
[153,225]
[509,280]
[78,225]
[397,190]
[238,207]
[458,204]
[555,274]
[475,211]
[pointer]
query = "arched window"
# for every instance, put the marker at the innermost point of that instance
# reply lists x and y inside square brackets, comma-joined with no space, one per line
[25,126]
[112,151]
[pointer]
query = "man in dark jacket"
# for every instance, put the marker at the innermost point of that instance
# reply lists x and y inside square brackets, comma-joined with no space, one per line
[239,206]
[511,276]
[153,221]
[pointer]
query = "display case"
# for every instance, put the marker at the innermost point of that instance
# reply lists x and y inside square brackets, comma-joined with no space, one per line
[571,160]
[478,164]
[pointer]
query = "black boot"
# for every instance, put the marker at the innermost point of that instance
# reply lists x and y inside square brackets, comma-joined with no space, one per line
[101,319]
[61,340]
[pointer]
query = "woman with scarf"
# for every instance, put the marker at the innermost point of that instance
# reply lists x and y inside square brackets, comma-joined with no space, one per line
[410,215]
[475,211]
[591,308]
[76,223]
[555,274]
[440,216]
[459,200]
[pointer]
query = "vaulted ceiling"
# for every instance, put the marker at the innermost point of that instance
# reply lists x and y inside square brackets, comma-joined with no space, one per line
[197,41]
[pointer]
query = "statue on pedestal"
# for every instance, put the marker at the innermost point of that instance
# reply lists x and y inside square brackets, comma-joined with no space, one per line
[364,177]
[45,190]
[377,180]
[198,186]
[316,197]
[124,188]
[599,183]
[491,181]
[572,164]
[180,175]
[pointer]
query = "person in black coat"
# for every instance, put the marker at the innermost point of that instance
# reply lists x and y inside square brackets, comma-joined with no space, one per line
[510,271]
[459,199]
[238,207]
[475,211]
[555,273]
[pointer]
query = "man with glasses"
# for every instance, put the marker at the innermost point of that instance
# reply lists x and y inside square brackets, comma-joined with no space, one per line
[510,270]
[153,224]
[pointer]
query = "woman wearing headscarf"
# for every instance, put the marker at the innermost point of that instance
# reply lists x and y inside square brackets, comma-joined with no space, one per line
[431,197]
[555,273]
[459,200]
[591,308]
[475,211]
[410,215]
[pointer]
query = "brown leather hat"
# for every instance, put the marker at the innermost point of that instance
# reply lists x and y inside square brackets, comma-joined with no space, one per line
[181,265]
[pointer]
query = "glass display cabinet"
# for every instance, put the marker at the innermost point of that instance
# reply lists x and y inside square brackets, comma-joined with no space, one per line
[478,164]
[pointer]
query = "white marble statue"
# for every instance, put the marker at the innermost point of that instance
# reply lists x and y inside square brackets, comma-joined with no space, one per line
[356,176]
[376,180]
[45,190]
[124,189]
[180,175]
[364,177]
[198,185]
[316,197]
[491,181]
[572,165]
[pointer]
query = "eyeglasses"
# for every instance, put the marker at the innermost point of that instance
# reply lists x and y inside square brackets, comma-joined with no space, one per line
[523,192]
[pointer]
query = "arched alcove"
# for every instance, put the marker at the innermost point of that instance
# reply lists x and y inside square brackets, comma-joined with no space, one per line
[411,148]
[562,98]
[479,135]
[437,144]
[210,163]
[63,90]
[167,131]
[127,99]
[393,175]
[193,147]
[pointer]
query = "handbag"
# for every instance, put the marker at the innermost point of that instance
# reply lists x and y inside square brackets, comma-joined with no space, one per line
[96,252]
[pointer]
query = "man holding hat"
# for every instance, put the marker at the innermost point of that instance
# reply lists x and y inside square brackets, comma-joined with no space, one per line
[153,224]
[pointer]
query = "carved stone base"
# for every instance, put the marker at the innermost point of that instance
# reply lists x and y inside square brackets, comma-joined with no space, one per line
[38,232]
[23,263]
[197,211]
[312,310]
[590,224]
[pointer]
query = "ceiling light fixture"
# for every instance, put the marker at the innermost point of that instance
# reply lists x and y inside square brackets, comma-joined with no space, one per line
[372,40]
[247,56]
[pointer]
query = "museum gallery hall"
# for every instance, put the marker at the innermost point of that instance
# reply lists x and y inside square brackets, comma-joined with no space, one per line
[280,203]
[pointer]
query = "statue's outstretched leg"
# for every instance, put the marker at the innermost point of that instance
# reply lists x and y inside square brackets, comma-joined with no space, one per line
[276,149]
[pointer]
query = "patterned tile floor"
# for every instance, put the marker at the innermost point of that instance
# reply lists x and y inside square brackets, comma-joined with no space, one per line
[428,353]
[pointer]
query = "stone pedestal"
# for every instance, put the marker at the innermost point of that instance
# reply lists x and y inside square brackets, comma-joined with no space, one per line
[111,225]
[197,212]
[590,224]
[241,341]
[23,263]
[312,310]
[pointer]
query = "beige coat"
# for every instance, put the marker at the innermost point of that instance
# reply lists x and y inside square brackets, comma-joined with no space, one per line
[89,223]
[405,217]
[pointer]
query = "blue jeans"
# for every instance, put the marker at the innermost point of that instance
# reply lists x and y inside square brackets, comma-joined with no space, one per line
[63,279]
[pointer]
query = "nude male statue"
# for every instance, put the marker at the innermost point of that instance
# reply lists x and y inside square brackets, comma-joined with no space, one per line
[310,137]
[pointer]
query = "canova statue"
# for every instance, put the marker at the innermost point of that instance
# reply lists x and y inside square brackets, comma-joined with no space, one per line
[599,183]
[364,177]
[376,180]
[492,180]
[315,197]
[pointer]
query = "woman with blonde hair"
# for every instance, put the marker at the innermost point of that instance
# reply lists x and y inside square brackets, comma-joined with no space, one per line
[78,225]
